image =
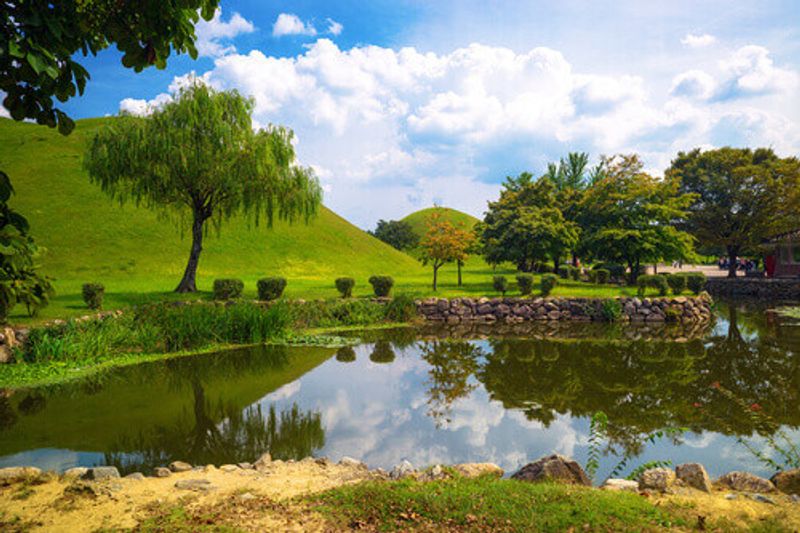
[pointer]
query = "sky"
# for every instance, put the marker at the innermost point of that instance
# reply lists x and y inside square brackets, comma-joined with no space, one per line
[400,105]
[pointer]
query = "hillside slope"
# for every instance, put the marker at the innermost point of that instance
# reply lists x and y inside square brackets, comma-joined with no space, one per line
[418,219]
[89,237]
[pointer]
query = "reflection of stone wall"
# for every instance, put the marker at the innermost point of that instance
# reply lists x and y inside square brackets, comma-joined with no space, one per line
[772,289]
[514,310]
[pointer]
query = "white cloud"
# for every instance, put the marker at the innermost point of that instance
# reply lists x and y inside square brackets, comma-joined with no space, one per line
[421,127]
[290,24]
[211,33]
[698,41]
[3,111]
[334,28]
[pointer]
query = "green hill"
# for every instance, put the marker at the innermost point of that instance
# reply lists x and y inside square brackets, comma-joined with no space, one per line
[418,219]
[88,237]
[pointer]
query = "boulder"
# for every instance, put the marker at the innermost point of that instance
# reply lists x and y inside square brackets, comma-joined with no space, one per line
[745,482]
[402,470]
[179,466]
[694,475]
[194,484]
[229,468]
[263,462]
[433,473]
[473,470]
[788,481]
[75,472]
[101,472]
[15,474]
[659,479]
[620,485]
[136,476]
[553,468]
[160,471]
[352,463]
[245,466]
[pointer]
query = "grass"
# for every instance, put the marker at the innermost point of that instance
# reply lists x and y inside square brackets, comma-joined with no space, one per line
[488,504]
[419,219]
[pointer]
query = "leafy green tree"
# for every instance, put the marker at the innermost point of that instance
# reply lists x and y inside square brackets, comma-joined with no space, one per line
[629,217]
[741,196]
[525,226]
[444,243]
[200,155]
[20,281]
[41,40]
[396,233]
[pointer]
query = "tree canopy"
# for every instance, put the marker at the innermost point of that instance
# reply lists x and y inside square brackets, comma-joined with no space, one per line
[444,243]
[41,40]
[200,155]
[741,196]
[396,233]
[629,217]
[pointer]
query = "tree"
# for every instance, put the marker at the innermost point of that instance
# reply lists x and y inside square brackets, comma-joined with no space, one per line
[630,216]
[199,154]
[41,39]
[524,226]
[741,196]
[396,233]
[19,280]
[443,243]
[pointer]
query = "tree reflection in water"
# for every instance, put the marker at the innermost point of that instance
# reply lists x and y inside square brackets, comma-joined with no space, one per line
[452,364]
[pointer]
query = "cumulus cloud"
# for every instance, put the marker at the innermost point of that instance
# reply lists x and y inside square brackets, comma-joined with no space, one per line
[212,34]
[417,126]
[290,24]
[334,28]
[698,41]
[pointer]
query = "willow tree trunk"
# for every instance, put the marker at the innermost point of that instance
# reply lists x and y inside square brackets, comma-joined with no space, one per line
[189,283]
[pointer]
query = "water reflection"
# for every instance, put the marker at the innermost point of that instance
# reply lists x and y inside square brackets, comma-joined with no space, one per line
[505,395]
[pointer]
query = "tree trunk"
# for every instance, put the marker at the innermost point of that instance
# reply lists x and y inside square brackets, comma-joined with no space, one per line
[655,268]
[733,253]
[435,271]
[556,264]
[574,259]
[188,283]
[460,263]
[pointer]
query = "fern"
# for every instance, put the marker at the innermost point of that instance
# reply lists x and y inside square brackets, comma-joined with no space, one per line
[597,435]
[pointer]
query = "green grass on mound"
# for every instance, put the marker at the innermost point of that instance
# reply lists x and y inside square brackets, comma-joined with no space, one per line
[419,219]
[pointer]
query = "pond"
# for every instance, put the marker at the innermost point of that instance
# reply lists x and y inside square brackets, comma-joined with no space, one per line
[430,395]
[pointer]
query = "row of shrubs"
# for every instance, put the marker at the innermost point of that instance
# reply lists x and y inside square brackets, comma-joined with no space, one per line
[272,288]
[677,283]
[525,283]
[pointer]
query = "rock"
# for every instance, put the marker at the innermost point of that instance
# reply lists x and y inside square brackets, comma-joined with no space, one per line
[433,473]
[229,468]
[15,474]
[263,462]
[402,470]
[694,475]
[620,484]
[659,479]
[473,470]
[194,484]
[247,496]
[245,466]
[75,472]
[745,482]
[352,463]
[160,471]
[731,496]
[179,466]
[787,481]
[553,468]
[795,498]
[101,472]
[761,498]
[136,476]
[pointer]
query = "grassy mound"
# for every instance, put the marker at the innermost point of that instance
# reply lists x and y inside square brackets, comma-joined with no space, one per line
[419,219]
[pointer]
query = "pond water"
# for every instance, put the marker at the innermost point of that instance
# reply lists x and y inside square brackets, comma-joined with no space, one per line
[505,395]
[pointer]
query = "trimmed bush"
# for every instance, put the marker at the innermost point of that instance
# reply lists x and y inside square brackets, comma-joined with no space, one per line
[381,285]
[500,284]
[525,283]
[270,288]
[544,268]
[677,283]
[656,281]
[345,286]
[346,354]
[591,276]
[603,275]
[610,310]
[696,282]
[228,289]
[402,308]
[93,295]
[575,274]
[616,271]
[565,271]
[548,283]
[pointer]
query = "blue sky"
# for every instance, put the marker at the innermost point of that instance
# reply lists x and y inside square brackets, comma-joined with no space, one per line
[401,104]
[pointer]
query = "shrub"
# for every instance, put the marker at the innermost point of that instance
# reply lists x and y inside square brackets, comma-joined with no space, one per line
[402,308]
[345,286]
[381,285]
[677,283]
[548,283]
[615,271]
[228,289]
[603,275]
[525,283]
[591,276]
[656,281]
[352,312]
[500,284]
[346,354]
[270,288]
[93,295]
[544,268]
[696,282]
[565,271]
[575,274]
[610,310]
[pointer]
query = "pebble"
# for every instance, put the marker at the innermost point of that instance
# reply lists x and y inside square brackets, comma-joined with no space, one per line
[229,468]
[160,471]
[761,498]
[731,496]
[795,498]
[245,466]
[179,466]
[137,476]
[247,496]
[194,484]
[404,469]
[353,463]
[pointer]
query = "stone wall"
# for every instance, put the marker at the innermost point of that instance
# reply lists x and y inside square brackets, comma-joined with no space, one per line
[515,310]
[780,289]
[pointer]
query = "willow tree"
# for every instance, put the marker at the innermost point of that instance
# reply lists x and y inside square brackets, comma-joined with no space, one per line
[199,155]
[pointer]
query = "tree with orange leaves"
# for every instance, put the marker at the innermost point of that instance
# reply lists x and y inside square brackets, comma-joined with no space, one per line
[443,243]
